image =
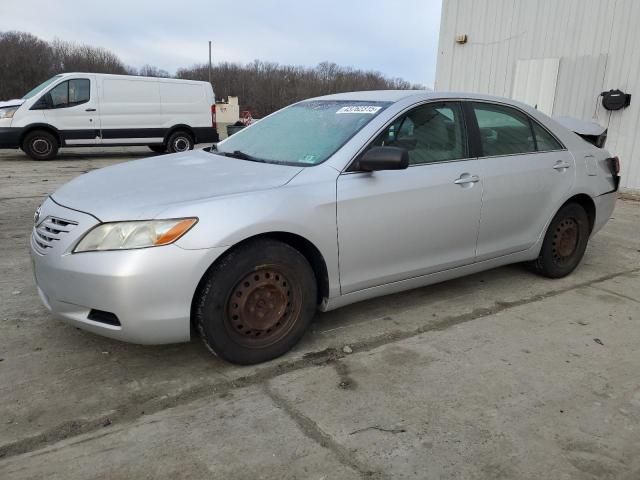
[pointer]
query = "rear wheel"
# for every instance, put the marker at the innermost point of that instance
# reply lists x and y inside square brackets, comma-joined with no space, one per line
[564,243]
[257,302]
[180,141]
[157,148]
[40,145]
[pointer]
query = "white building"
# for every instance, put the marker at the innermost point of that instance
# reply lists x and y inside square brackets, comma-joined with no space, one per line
[556,54]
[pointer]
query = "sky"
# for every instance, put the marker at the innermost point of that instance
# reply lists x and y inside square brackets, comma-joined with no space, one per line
[398,38]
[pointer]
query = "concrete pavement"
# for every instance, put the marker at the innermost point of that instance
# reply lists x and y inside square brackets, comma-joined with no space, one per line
[497,375]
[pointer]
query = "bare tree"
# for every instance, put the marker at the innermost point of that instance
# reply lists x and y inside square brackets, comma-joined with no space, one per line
[152,71]
[25,61]
[263,87]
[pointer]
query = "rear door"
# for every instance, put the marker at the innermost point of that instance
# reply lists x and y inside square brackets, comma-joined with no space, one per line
[73,110]
[395,225]
[526,172]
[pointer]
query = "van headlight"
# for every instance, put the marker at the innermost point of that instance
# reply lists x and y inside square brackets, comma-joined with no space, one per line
[8,112]
[134,234]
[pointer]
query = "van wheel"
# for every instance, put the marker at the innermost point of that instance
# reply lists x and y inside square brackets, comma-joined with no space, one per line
[179,142]
[256,303]
[40,145]
[157,148]
[564,243]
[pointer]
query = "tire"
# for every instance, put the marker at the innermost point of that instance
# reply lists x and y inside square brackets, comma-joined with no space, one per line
[40,145]
[256,303]
[179,142]
[157,148]
[564,243]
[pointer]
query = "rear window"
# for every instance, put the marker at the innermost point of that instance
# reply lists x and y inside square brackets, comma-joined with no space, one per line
[503,130]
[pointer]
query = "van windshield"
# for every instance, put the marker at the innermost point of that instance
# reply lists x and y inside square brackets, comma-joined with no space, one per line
[40,87]
[304,134]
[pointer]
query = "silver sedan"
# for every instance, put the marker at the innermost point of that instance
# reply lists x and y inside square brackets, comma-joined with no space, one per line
[327,202]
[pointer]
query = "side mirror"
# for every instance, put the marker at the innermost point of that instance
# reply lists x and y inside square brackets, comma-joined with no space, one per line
[384,158]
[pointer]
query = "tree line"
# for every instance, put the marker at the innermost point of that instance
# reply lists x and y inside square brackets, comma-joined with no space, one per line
[262,87]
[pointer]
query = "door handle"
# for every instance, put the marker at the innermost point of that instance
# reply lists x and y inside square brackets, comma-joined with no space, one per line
[561,166]
[465,179]
[90,110]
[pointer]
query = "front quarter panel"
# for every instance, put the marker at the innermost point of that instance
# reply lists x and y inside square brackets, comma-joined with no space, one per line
[306,206]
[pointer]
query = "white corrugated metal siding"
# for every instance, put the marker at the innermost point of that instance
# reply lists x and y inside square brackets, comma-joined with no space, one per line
[597,43]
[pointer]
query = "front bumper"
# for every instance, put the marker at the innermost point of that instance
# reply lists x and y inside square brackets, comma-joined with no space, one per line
[10,137]
[149,290]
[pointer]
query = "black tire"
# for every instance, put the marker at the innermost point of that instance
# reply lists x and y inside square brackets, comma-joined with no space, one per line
[256,303]
[564,243]
[180,141]
[40,145]
[157,148]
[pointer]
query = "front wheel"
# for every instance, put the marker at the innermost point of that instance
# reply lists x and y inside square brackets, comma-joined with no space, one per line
[40,145]
[256,303]
[564,243]
[180,142]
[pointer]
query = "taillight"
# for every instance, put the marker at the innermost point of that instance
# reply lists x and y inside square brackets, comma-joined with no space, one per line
[614,164]
[614,168]
[213,116]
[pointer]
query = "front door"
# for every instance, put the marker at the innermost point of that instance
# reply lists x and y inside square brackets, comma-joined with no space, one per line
[73,110]
[395,225]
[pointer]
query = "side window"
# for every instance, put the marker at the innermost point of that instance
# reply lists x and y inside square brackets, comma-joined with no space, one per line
[544,140]
[60,95]
[503,130]
[431,133]
[70,93]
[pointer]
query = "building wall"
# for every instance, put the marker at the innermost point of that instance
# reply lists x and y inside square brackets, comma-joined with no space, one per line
[597,43]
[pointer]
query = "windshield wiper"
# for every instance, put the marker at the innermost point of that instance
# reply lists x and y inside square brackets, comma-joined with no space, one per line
[243,156]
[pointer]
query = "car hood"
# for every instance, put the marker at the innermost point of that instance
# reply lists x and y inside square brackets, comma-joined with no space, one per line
[145,188]
[12,103]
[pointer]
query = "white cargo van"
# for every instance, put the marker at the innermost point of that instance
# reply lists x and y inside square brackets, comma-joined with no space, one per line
[88,109]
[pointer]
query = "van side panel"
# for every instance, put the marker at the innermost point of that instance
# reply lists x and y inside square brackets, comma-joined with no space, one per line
[185,104]
[130,111]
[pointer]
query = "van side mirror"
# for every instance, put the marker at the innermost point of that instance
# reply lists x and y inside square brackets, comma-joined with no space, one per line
[384,158]
[44,103]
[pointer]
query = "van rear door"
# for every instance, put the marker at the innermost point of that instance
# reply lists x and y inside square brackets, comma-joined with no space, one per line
[73,110]
[130,111]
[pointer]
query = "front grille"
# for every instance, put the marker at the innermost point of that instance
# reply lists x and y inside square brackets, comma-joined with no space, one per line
[49,231]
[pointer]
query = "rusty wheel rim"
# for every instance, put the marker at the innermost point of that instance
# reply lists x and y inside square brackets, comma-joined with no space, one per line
[262,308]
[565,240]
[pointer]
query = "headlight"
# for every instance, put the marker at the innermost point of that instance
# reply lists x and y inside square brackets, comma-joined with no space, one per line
[134,234]
[8,112]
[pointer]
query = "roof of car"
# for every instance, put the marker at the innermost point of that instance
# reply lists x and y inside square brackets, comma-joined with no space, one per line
[398,95]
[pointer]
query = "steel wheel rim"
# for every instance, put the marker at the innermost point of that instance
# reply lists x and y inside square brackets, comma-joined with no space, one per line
[41,146]
[262,308]
[565,240]
[181,144]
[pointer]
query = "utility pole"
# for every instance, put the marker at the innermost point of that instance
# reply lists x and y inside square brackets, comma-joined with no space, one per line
[209,61]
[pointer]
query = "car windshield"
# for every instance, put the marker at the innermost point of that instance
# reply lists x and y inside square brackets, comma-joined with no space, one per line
[40,87]
[304,134]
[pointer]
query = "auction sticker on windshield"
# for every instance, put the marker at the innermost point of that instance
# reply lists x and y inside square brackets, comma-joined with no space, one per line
[359,109]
